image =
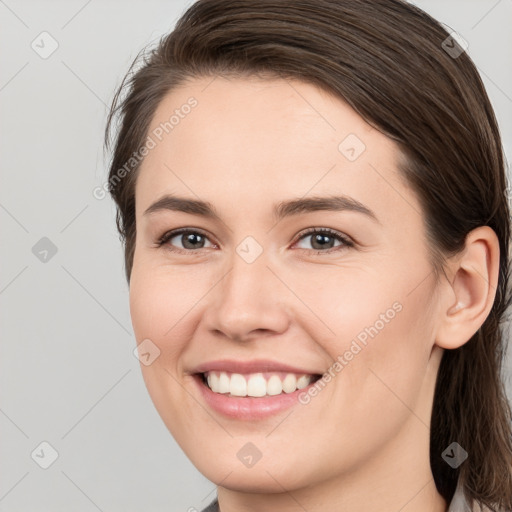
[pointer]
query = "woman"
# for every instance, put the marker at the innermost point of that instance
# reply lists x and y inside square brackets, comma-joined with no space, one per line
[312,199]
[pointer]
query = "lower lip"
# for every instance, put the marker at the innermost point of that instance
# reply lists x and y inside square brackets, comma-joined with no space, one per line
[248,408]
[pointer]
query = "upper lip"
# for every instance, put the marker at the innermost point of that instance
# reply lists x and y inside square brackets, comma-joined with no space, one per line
[253,366]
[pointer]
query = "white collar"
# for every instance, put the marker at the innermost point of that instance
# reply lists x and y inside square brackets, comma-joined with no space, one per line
[459,502]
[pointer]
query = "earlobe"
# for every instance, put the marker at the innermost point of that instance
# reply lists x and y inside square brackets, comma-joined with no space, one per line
[474,284]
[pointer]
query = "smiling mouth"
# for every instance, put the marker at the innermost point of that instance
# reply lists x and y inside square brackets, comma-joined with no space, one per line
[254,385]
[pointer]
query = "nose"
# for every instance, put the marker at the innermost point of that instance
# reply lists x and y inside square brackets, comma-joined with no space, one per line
[249,301]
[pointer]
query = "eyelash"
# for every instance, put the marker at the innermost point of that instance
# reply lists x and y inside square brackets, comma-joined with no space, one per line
[346,242]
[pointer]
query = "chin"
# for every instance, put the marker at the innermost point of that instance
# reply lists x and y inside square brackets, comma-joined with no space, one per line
[266,477]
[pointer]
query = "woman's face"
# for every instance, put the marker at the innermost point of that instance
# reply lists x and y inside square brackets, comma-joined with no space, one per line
[254,281]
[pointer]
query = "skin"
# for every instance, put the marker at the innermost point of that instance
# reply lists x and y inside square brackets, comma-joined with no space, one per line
[363,442]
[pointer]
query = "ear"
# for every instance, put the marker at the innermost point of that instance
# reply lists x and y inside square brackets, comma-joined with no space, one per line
[468,299]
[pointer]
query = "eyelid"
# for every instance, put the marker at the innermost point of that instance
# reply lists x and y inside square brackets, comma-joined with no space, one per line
[347,242]
[168,235]
[320,229]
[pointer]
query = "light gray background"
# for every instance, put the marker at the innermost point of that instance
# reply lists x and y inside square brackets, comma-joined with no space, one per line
[68,373]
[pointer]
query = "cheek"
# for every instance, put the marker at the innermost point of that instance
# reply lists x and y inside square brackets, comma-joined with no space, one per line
[383,336]
[161,308]
[161,302]
[343,304]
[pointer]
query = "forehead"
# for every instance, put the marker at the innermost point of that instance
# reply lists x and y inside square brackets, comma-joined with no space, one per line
[257,141]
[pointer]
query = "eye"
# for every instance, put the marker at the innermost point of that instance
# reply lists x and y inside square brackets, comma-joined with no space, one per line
[190,239]
[193,240]
[323,240]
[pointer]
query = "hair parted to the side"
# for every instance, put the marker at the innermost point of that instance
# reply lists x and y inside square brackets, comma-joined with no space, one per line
[385,59]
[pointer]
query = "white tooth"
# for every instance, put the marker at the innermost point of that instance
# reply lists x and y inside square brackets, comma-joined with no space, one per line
[304,381]
[257,385]
[238,385]
[223,383]
[213,380]
[274,386]
[290,383]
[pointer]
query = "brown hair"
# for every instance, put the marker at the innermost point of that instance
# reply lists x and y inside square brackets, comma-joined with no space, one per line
[390,62]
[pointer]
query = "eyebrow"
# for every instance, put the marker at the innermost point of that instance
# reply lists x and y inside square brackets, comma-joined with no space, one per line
[280,211]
